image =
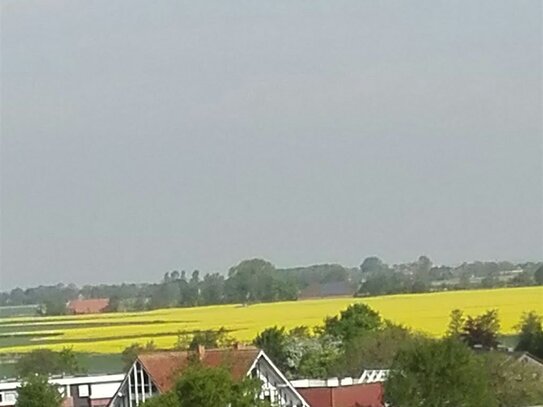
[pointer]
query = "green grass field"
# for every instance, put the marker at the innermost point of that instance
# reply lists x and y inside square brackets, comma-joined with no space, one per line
[111,333]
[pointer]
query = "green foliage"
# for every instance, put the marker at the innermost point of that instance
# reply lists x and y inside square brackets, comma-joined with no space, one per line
[130,354]
[355,321]
[54,306]
[37,392]
[531,334]
[375,350]
[482,330]
[538,276]
[47,362]
[273,342]
[456,324]
[201,386]
[513,383]
[373,265]
[211,339]
[163,400]
[320,361]
[438,374]
[257,280]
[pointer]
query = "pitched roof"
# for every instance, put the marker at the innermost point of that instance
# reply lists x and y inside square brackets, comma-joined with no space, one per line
[164,367]
[90,306]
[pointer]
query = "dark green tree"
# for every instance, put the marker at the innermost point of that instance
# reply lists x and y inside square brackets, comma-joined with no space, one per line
[482,330]
[373,264]
[352,322]
[538,276]
[531,334]
[438,374]
[47,362]
[37,392]
[257,280]
[456,324]
[212,291]
[273,341]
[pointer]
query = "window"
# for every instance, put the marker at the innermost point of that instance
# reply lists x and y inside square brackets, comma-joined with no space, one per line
[84,390]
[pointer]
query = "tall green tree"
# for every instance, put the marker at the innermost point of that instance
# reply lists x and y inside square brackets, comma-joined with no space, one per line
[441,373]
[273,341]
[375,350]
[456,324]
[37,392]
[373,264]
[531,334]
[354,321]
[538,276]
[482,330]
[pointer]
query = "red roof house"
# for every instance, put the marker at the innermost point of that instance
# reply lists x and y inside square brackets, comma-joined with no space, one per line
[156,373]
[164,367]
[90,306]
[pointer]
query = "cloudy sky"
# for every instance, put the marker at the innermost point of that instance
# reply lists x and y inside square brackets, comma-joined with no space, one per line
[139,137]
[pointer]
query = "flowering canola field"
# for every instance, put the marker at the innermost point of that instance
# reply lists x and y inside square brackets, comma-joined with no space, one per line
[111,333]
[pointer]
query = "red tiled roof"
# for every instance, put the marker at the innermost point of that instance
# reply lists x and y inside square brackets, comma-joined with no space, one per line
[91,306]
[357,395]
[164,367]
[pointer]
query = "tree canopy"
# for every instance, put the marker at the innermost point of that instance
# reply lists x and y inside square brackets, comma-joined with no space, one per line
[438,374]
[37,392]
[48,362]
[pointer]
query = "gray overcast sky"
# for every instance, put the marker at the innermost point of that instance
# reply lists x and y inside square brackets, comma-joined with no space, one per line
[144,136]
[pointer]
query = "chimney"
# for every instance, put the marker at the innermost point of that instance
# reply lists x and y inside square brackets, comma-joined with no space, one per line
[238,346]
[201,350]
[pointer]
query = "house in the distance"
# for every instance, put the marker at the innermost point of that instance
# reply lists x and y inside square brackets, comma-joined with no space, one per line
[90,306]
[156,373]
[324,290]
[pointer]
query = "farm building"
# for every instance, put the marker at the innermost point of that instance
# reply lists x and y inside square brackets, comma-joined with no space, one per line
[78,391]
[90,306]
[327,290]
[155,373]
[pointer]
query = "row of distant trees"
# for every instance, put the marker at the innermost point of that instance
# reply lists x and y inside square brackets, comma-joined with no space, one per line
[257,280]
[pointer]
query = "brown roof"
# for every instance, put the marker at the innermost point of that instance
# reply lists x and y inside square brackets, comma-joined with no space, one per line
[164,367]
[91,306]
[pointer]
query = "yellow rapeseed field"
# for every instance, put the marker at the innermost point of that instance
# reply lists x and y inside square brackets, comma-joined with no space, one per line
[113,332]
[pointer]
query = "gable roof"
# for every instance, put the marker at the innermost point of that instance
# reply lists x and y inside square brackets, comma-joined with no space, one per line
[164,367]
[90,306]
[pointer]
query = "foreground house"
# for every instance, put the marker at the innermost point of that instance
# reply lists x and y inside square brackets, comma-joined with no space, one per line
[77,391]
[156,373]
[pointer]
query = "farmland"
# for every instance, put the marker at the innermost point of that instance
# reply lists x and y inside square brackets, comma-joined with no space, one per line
[110,333]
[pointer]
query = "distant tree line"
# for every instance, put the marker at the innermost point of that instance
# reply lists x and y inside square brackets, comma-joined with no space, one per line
[257,280]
